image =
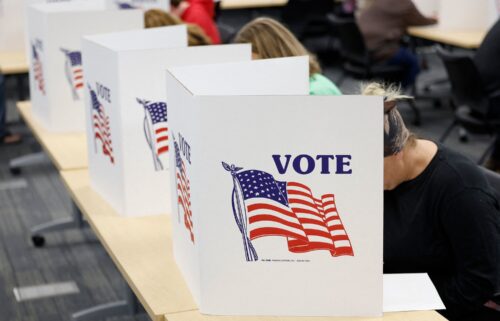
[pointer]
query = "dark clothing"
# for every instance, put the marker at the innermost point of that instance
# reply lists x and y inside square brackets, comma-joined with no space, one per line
[3,109]
[404,57]
[384,23]
[446,222]
[487,60]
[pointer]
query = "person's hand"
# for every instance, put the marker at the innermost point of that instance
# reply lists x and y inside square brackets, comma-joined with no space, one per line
[492,305]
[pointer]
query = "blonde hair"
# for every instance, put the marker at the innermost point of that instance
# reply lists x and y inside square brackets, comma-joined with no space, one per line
[270,39]
[389,92]
[396,135]
[158,18]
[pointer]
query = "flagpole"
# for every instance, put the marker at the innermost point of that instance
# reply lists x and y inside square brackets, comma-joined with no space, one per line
[147,132]
[240,214]
[177,157]
[92,119]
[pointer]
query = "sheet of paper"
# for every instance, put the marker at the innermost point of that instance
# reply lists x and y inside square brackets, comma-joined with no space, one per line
[410,292]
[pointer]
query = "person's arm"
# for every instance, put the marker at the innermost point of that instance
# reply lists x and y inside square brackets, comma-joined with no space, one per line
[472,224]
[413,17]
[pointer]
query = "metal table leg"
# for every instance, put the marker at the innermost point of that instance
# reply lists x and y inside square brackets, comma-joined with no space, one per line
[17,163]
[60,224]
[129,306]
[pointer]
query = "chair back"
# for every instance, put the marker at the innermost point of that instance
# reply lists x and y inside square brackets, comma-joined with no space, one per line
[466,86]
[352,43]
[301,15]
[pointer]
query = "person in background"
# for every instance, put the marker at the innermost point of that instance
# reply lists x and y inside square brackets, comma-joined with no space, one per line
[487,60]
[154,18]
[270,39]
[198,12]
[383,24]
[441,217]
[5,136]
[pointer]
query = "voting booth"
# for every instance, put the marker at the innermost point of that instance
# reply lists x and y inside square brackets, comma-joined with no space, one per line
[11,25]
[468,15]
[277,195]
[139,4]
[56,71]
[428,8]
[127,112]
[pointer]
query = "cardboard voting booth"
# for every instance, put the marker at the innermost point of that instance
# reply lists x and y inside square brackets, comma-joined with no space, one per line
[428,7]
[467,15]
[277,195]
[139,4]
[127,112]
[11,25]
[56,71]
[13,22]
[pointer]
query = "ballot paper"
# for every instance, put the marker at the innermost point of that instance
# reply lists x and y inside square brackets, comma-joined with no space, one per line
[410,292]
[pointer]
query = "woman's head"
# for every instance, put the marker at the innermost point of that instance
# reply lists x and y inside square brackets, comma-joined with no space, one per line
[270,39]
[154,18]
[397,138]
[158,18]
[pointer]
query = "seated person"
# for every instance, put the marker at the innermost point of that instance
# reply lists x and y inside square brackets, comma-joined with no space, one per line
[154,18]
[5,136]
[440,217]
[383,24]
[270,39]
[198,12]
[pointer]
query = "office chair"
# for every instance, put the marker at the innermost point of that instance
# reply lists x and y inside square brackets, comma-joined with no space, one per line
[475,110]
[359,62]
[307,19]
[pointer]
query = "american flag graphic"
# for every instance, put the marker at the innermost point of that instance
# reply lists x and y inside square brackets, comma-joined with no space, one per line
[125,5]
[264,207]
[183,191]
[100,126]
[74,71]
[156,131]
[38,69]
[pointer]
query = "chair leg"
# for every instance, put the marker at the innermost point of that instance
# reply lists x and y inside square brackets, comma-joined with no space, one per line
[488,151]
[448,131]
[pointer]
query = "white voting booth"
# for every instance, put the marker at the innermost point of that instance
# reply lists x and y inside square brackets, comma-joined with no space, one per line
[277,195]
[127,112]
[11,25]
[429,8]
[56,71]
[468,15]
[139,4]
[12,22]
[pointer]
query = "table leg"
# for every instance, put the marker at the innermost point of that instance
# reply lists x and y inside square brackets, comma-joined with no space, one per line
[29,160]
[60,224]
[130,306]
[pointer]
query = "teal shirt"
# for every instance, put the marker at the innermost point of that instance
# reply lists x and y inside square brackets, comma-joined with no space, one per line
[319,85]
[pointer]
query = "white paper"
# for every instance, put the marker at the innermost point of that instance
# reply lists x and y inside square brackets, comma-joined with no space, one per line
[410,292]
